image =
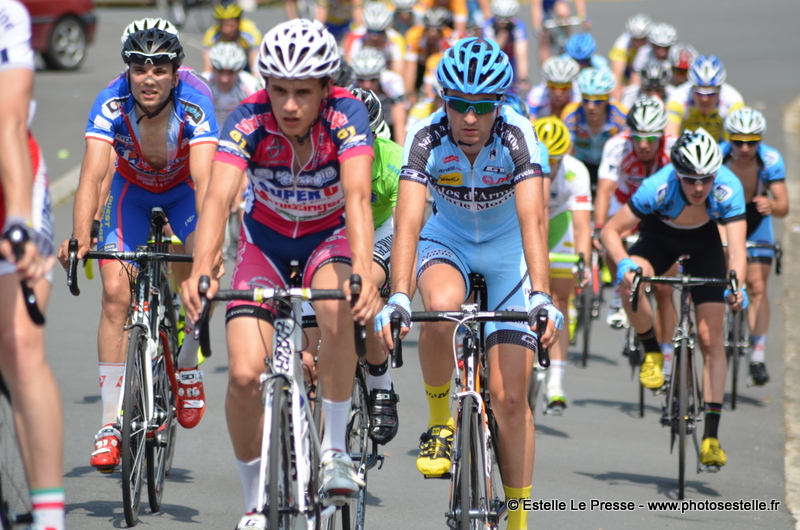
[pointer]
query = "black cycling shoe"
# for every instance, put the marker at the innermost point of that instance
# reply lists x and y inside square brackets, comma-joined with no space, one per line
[383,412]
[758,372]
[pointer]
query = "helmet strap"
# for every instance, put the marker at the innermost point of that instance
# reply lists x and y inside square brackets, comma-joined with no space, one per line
[151,115]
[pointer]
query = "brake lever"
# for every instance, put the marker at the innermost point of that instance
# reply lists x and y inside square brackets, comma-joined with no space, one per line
[17,236]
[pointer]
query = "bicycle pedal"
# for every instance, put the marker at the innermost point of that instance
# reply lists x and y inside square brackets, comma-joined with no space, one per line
[444,476]
[555,409]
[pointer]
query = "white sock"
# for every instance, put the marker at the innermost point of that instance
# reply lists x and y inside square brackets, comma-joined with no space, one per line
[48,509]
[668,350]
[335,413]
[187,357]
[759,343]
[248,474]
[383,382]
[111,375]
[555,376]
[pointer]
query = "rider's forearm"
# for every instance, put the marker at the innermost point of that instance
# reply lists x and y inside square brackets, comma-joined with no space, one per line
[532,220]
[210,232]
[409,213]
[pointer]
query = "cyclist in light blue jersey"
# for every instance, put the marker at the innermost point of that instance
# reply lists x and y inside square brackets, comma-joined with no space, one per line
[481,162]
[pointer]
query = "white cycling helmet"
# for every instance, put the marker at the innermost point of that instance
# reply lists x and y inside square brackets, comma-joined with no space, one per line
[655,75]
[745,120]
[682,56]
[707,72]
[404,5]
[696,153]
[227,56]
[299,49]
[560,69]
[377,16]
[638,26]
[148,23]
[596,82]
[647,114]
[368,62]
[663,34]
[505,8]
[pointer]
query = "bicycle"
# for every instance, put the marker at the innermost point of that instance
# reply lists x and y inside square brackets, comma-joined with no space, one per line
[147,403]
[737,337]
[290,447]
[684,401]
[15,502]
[476,487]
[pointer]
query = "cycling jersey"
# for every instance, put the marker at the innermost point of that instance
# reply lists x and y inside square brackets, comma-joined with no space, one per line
[417,42]
[661,195]
[588,147]
[225,102]
[474,201]
[517,33]
[249,35]
[771,169]
[457,8]
[313,200]
[569,188]
[186,74]
[622,51]
[340,12]
[645,55]
[385,179]
[113,119]
[620,165]
[539,100]
[681,109]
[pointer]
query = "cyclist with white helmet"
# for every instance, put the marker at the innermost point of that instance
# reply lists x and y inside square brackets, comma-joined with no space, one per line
[423,42]
[403,17]
[660,39]
[569,232]
[622,53]
[372,74]
[594,119]
[377,33]
[705,100]
[653,82]
[681,58]
[230,84]
[163,133]
[318,136]
[559,88]
[629,158]
[509,31]
[678,210]
[480,160]
[762,172]
[231,26]
[582,47]
[542,10]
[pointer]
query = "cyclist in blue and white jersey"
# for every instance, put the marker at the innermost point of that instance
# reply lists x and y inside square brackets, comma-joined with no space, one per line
[480,160]
[678,210]
[164,134]
[762,172]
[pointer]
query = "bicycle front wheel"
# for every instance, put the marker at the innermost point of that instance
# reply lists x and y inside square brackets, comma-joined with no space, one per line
[683,401]
[15,502]
[134,425]
[468,476]
[585,322]
[736,345]
[282,490]
[160,445]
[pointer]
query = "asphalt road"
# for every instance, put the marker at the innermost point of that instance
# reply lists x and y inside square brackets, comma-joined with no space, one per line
[599,449]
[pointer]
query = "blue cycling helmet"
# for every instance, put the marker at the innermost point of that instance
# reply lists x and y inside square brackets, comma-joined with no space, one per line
[581,46]
[475,66]
[516,103]
[707,72]
[596,82]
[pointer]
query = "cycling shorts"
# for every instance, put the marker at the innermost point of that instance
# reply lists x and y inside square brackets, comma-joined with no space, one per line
[264,257]
[762,234]
[561,240]
[127,214]
[501,262]
[383,247]
[662,245]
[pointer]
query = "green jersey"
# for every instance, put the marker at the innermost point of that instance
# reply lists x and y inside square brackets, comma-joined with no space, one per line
[385,178]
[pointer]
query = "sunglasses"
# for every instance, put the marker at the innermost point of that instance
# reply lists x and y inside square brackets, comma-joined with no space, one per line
[157,59]
[647,137]
[740,143]
[462,106]
[693,180]
[595,99]
[375,32]
[706,92]
[559,86]
[370,79]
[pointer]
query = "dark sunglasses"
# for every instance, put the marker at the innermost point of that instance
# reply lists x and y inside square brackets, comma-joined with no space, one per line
[740,143]
[693,181]
[462,106]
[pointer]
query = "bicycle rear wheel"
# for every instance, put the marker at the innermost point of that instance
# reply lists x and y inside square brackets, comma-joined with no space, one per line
[15,502]
[683,400]
[282,489]
[134,425]
[160,445]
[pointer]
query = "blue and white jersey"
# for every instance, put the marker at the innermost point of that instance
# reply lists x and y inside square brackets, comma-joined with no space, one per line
[475,201]
[661,195]
[770,168]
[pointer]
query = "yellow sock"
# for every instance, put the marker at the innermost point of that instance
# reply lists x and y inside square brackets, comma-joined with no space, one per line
[439,405]
[517,519]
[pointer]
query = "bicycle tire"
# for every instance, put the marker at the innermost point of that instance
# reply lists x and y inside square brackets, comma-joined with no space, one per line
[15,502]
[282,491]
[169,326]
[736,341]
[160,444]
[469,469]
[133,425]
[585,323]
[358,427]
[683,403]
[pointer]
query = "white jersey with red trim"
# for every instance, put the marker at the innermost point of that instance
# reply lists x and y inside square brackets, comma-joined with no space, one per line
[621,165]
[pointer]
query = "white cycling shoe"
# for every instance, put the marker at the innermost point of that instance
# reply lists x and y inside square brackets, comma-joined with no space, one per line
[338,476]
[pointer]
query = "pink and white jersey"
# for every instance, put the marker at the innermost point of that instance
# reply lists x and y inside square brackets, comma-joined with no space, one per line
[295,205]
[620,164]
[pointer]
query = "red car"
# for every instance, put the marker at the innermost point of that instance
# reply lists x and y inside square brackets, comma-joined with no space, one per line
[62,29]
